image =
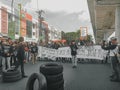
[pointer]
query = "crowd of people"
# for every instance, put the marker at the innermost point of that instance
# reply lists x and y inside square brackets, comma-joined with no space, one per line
[15,53]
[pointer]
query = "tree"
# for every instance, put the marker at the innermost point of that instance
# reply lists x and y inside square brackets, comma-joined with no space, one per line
[89,38]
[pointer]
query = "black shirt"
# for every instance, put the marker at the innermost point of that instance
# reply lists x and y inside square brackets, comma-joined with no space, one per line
[73,49]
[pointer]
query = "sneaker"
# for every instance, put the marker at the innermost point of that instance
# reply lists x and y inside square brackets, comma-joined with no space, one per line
[74,67]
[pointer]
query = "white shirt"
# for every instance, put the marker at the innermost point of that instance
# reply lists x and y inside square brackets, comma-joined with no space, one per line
[114,51]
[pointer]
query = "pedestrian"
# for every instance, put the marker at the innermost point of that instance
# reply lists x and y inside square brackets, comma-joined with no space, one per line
[26,52]
[14,53]
[6,54]
[34,52]
[21,56]
[11,54]
[113,51]
[74,48]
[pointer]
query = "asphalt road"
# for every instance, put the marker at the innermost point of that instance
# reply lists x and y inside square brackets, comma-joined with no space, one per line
[84,77]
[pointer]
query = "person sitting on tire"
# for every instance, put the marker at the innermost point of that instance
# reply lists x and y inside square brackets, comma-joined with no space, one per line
[6,54]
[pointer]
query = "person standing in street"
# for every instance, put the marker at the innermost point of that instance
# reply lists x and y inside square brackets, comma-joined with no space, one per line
[113,51]
[21,56]
[74,48]
[34,52]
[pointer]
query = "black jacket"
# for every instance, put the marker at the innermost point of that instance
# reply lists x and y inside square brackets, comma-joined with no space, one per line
[20,52]
[34,49]
[6,50]
[110,47]
[73,48]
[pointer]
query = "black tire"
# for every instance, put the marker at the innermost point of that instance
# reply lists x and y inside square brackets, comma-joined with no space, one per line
[41,80]
[54,78]
[10,73]
[56,86]
[0,69]
[51,69]
[62,88]
[13,76]
[12,79]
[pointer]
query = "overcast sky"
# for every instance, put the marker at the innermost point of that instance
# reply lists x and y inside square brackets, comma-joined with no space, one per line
[66,15]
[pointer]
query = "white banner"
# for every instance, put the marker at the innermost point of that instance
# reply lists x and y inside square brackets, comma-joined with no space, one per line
[89,52]
[44,52]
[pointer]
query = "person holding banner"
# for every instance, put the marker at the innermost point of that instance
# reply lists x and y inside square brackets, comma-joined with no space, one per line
[74,48]
[114,50]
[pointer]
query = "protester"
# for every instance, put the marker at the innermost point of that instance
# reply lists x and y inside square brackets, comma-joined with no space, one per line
[21,56]
[14,53]
[6,54]
[74,48]
[26,52]
[34,52]
[11,54]
[113,48]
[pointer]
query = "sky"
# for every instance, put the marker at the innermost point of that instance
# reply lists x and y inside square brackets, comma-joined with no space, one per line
[65,15]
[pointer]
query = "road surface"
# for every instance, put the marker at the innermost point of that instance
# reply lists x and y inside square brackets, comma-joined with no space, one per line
[84,77]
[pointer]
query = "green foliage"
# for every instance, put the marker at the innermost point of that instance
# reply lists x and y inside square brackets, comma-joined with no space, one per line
[69,36]
[89,38]
[11,30]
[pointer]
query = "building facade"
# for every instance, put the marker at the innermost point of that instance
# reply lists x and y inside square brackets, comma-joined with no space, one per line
[16,22]
[54,34]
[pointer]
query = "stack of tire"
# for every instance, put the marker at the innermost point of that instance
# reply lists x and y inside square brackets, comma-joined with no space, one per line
[54,76]
[11,75]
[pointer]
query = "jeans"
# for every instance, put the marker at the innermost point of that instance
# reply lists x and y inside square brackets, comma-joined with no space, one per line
[27,56]
[115,67]
[33,57]
[6,63]
[74,60]
[20,63]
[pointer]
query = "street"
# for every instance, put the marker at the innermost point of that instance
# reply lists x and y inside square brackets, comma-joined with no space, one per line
[84,77]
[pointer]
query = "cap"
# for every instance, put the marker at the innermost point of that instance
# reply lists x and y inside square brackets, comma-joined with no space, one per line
[113,38]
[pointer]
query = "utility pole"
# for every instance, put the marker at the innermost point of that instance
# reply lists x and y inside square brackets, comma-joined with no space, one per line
[40,23]
[11,30]
[20,7]
[12,9]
